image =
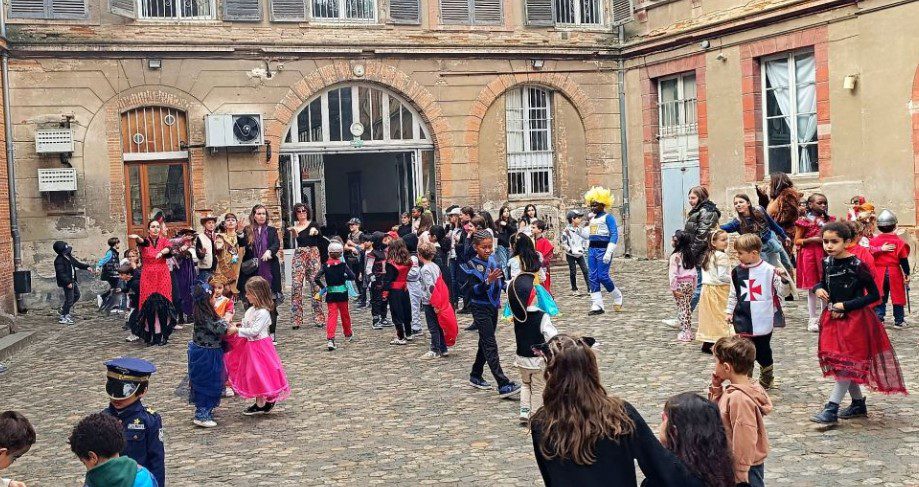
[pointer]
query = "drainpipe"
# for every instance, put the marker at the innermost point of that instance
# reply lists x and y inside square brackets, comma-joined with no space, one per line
[10,166]
[624,209]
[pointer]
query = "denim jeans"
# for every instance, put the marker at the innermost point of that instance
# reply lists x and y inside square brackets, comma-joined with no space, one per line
[203,414]
[757,475]
[698,291]
[774,253]
[71,296]
[438,343]
[573,264]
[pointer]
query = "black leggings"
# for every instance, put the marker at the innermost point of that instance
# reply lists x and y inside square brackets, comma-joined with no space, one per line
[377,303]
[401,307]
[763,350]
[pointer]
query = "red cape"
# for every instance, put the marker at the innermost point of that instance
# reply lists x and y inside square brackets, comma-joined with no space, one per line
[440,300]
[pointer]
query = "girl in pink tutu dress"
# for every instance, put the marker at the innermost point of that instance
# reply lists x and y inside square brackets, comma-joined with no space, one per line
[253,365]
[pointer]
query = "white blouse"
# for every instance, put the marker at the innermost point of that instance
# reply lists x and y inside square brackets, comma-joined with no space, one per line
[255,324]
[718,271]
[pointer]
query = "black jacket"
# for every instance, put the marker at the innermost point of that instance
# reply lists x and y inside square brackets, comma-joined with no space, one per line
[65,265]
[274,245]
[700,223]
[335,275]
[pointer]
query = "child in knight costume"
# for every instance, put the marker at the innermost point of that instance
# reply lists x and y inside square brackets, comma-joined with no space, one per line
[891,258]
[604,235]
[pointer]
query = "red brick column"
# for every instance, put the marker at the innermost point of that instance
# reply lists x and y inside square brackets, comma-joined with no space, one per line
[7,296]
[751,86]
[654,227]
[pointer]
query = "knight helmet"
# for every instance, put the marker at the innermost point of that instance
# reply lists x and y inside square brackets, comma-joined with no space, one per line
[887,219]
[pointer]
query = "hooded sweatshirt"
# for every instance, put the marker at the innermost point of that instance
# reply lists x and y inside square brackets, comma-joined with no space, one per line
[742,409]
[119,472]
[65,265]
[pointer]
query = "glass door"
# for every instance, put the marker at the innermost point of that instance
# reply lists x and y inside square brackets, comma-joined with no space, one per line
[159,185]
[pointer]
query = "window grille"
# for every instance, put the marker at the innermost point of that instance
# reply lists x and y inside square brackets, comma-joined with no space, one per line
[530,156]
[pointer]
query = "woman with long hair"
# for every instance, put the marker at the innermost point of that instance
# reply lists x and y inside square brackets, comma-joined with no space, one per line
[505,228]
[310,253]
[529,216]
[693,431]
[700,223]
[583,436]
[781,203]
[156,316]
[228,251]
[398,263]
[526,258]
[755,220]
[263,244]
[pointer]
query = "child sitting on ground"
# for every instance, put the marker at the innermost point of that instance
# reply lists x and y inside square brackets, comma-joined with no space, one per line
[97,441]
[743,405]
[16,438]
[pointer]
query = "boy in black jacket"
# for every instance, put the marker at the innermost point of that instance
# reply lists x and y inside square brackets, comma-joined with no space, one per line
[65,272]
[336,274]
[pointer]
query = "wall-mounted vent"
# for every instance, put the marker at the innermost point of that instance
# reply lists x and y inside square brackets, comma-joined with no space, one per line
[63,179]
[54,141]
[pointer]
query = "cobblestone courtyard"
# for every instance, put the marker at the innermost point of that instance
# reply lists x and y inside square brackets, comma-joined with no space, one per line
[371,413]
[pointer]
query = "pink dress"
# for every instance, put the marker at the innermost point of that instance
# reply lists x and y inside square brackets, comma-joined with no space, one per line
[253,366]
[810,256]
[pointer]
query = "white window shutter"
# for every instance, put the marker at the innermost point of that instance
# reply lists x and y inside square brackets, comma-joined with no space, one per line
[455,12]
[27,9]
[622,11]
[487,12]
[124,8]
[289,10]
[242,10]
[68,9]
[539,12]
[405,11]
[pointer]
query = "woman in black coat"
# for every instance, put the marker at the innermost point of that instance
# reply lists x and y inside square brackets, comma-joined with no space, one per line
[261,242]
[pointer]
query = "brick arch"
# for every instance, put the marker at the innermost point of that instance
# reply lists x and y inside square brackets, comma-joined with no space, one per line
[376,72]
[560,84]
[914,117]
[138,98]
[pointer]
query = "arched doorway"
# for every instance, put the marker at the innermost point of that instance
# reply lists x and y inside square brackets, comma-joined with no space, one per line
[155,166]
[357,150]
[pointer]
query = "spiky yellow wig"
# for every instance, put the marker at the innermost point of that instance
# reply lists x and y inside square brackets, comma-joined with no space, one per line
[600,195]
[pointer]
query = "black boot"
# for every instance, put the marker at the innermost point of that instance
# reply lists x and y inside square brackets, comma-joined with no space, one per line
[857,409]
[766,377]
[829,414]
[707,347]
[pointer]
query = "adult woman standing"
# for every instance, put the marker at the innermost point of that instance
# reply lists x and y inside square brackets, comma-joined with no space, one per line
[754,219]
[582,436]
[529,216]
[228,251]
[782,203]
[261,243]
[156,316]
[505,228]
[700,223]
[311,252]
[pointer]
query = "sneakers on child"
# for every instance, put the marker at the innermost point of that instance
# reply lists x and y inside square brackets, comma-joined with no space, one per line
[255,410]
[685,336]
[205,423]
[410,338]
[672,323]
[377,323]
[386,323]
[267,407]
[228,392]
[900,326]
[524,415]
[351,338]
[813,324]
[331,345]
[64,320]
[398,341]
[274,339]
[479,383]
[430,355]
[829,414]
[857,409]
[445,353]
[131,338]
[509,389]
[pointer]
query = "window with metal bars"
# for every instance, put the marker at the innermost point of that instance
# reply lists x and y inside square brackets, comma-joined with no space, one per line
[345,10]
[177,9]
[578,12]
[530,156]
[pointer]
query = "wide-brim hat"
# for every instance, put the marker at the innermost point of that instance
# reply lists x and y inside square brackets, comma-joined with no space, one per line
[456,211]
[208,217]
[186,232]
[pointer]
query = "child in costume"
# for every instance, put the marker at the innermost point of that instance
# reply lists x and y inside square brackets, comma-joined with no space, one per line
[253,365]
[336,274]
[545,249]
[485,281]
[853,347]
[438,312]
[603,238]
[395,290]
[574,241]
[810,254]
[183,264]
[226,309]
[754,306]
[682,274]
[522,244]
[376,270]
[206,371]
[716,285]
[530,306]
[97,442]
[65,273]
[891,258]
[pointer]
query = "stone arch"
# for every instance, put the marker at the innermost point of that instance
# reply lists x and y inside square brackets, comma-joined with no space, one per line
[376,72]
[147,96]
[560,84]
[914,118]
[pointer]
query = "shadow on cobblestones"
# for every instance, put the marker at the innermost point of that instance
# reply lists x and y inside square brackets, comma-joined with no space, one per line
[371,413]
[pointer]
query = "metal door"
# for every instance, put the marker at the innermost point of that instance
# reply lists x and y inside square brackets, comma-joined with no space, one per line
[676,181]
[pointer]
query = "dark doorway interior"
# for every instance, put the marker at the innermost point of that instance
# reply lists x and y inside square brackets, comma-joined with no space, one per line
[373,187]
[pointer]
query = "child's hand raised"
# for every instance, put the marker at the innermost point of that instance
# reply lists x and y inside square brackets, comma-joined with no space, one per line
[822,294]
[494,275]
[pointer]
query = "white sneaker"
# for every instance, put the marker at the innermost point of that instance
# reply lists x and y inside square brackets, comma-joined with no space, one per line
[207,423]
[64,320]
[813,324]
[98,300]
[274,339]
[228,392]
[179,327]
[398,341]
[131,338]
[331,345]
[430,355]
[447,353]
[672,323]
[524,415]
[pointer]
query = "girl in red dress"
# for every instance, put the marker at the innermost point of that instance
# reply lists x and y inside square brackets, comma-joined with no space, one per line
[853,347]
[810,253]
[156,317]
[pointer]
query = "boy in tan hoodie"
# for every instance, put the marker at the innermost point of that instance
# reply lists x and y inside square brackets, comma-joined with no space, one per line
[743,404]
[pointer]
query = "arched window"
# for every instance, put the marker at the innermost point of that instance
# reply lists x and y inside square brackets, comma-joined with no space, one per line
[354,116]
[530,154]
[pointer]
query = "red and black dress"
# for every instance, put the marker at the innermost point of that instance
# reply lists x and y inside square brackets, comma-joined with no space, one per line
[156,317]
[855,347]
[395,283]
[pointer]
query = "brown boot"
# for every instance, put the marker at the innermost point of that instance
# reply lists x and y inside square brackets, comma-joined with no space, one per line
[766,377]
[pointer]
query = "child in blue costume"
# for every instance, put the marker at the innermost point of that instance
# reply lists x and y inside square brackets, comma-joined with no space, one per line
[604,235]
[485,281]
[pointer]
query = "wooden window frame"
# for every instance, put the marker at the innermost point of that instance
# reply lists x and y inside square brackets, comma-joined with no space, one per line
[145,195]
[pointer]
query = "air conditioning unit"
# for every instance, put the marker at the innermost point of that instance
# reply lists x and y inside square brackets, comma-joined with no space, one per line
[233,130]
[54,141]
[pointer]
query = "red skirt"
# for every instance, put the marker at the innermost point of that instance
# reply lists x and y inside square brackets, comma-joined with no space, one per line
[856,348]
